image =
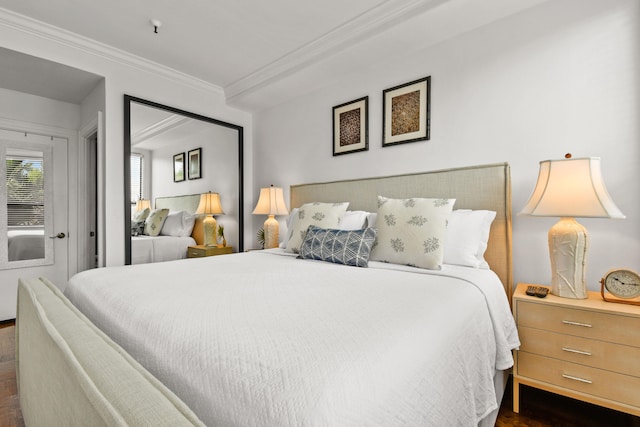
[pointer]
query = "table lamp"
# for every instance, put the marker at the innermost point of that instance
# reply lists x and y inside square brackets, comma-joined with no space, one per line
[271,202]
[143,204]
[210,206]
[570,188]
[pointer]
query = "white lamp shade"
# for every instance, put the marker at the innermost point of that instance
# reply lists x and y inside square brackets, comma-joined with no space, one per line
[142,204]
[271,202]
[571,188]
[210,204]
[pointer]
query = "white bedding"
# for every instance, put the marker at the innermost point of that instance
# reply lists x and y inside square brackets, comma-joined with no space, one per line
[146,249]
[25,244]
[291,342]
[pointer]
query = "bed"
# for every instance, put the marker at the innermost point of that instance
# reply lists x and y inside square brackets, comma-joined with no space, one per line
[25,244]
[168,245]
[270,339]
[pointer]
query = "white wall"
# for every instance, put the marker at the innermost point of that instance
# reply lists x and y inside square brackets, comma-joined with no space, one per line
[121,77]
[560,77]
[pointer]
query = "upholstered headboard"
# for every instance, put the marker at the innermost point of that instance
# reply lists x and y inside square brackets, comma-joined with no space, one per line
[476,187]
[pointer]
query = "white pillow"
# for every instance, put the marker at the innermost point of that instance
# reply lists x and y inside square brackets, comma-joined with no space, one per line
[154,222]
[322,215]
[188,222]
[467,236]
[178,224]
[353,220]
[412,231]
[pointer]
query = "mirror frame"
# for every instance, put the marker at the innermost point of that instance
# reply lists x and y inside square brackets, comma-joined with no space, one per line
[128,99]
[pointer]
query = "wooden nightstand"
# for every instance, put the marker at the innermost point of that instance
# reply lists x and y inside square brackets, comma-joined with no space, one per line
[200,251]
[586,349]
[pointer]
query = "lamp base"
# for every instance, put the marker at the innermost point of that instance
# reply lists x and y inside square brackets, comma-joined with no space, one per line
[271,229]
[210,226]
[568,246]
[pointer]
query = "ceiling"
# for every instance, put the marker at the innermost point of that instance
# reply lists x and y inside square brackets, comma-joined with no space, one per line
[252,49]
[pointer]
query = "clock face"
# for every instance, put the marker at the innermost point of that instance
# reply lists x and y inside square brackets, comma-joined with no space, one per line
[623,283]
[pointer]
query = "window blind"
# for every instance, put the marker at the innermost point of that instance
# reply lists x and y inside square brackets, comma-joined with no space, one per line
[25,191]
[136,177]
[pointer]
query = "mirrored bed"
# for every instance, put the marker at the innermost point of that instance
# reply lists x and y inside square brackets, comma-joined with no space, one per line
[266,338]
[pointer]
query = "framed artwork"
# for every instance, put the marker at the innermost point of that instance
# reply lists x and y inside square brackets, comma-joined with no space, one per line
[351,127]
[406,112]
[178,167]
[194,169]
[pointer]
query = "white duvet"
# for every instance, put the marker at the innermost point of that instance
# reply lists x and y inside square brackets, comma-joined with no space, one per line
[260,339]
[146,249]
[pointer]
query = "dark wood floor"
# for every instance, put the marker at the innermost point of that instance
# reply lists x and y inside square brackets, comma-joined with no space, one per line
[537,408]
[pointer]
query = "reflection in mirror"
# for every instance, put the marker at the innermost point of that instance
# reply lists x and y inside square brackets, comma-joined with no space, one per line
[173,157]
[26,199]
[25,204]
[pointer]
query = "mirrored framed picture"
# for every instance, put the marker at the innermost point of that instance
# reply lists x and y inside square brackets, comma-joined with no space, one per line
[178,167]
[195,163]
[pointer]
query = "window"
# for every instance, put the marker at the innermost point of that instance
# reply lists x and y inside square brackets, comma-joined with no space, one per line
[25,190]
[136,177]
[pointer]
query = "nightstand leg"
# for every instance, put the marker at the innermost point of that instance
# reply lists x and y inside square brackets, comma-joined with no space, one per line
[516,395]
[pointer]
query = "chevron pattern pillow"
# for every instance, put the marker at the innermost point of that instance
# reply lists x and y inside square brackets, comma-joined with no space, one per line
[348,247]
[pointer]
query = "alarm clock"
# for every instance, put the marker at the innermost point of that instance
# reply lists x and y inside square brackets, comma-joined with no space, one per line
[621,283]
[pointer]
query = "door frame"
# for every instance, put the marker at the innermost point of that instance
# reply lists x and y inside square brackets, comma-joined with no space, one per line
[95,126]
[72,193]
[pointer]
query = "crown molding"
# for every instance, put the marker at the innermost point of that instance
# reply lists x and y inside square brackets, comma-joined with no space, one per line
[158,128]
[63,37]
[370,23]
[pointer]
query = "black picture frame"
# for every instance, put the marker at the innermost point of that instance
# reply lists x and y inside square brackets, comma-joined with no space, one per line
[194,169]
[178,167]
[406,112]
[351,126]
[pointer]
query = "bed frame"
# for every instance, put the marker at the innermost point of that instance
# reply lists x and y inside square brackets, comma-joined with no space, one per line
[476,187]
[70,373]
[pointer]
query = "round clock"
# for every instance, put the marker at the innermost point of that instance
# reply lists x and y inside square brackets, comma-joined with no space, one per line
[622,283]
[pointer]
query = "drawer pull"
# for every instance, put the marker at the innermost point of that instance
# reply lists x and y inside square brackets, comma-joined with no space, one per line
[571,350]
[584,325]
[582,380]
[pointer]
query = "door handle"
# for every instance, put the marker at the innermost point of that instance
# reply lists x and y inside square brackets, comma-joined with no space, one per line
[58,236]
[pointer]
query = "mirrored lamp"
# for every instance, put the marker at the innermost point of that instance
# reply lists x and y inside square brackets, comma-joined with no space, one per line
[271,202]
[570,188]
[143,204]
[210,205]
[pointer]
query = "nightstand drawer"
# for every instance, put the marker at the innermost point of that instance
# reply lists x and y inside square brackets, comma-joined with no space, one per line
[598,354]
[585,323]
[204,251]
[596,382]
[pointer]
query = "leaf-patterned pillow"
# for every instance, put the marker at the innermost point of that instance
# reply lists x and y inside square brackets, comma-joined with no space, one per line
[412,231]
[322,215]
[155,221]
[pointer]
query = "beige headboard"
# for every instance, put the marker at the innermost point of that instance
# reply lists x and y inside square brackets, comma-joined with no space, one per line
[476,187]
[189,203]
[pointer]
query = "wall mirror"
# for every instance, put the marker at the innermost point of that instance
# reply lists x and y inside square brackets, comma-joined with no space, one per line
[174,154]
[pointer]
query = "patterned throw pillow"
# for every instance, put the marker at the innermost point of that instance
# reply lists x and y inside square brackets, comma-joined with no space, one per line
[411,231]
[141,215]
[154,222]
[137,228]
[338,246]
[323,215]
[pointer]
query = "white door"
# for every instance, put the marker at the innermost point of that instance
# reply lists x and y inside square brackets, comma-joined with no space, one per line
[33,212]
